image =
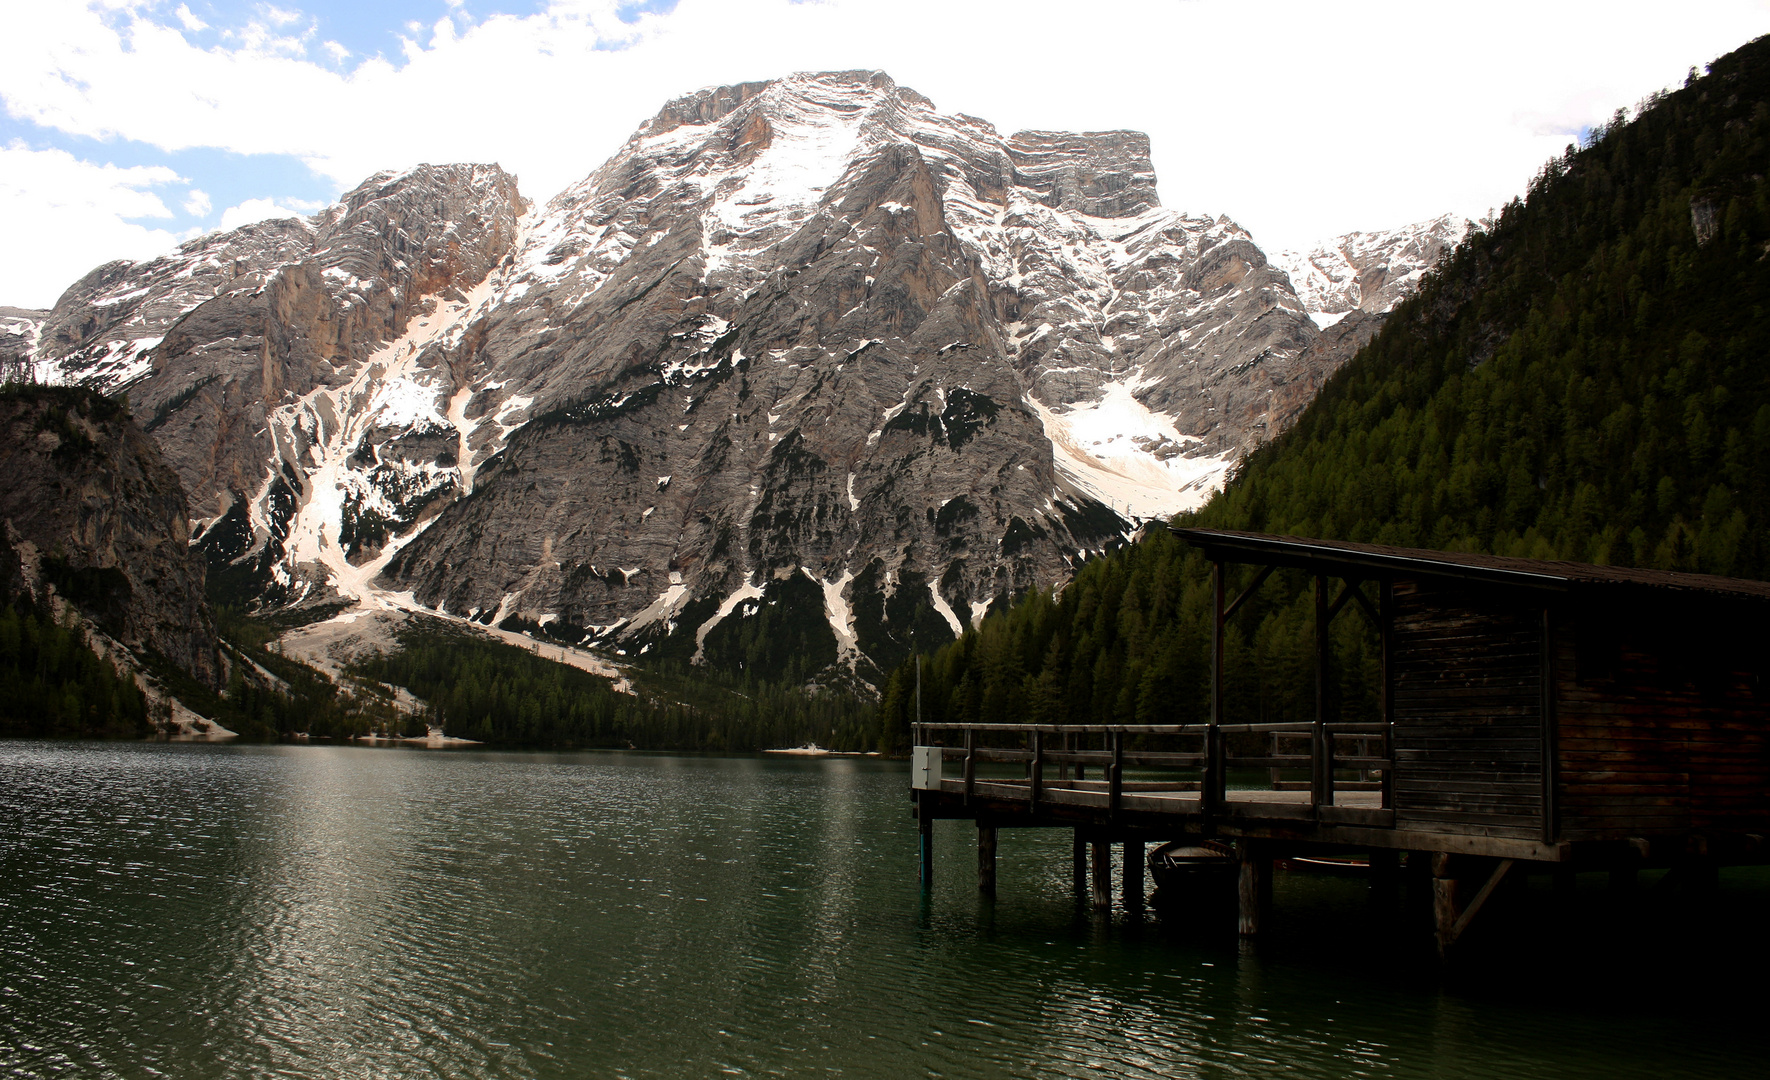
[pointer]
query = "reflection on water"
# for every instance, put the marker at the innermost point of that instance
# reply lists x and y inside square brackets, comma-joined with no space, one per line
[214,911]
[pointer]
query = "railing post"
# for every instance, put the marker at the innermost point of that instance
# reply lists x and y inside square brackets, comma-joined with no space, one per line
[1210,794]
[1318,793]
[1327,771]
[970,763]
[1116,779]
[1038,766]
[1386,630]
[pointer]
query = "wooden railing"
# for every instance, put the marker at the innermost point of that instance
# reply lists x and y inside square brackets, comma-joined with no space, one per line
[1183,757]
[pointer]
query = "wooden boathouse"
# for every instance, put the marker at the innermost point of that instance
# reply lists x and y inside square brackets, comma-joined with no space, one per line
[1534,715]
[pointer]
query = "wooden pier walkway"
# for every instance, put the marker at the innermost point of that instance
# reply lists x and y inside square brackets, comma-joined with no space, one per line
[1534,716]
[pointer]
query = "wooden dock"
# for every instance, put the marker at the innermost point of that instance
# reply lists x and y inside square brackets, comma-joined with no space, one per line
[1535,715]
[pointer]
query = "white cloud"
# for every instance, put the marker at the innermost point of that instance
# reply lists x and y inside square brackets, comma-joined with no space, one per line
[263,209]
[189,20]
[337,52]
[197,203]
[1299,119]
[62,216]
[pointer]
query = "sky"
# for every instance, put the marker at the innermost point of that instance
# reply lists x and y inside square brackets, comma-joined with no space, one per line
[129,127]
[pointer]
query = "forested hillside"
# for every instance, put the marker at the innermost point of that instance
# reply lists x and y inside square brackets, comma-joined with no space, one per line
[1588,379]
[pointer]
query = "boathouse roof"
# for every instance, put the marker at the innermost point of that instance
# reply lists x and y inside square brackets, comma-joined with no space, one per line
[1545,574]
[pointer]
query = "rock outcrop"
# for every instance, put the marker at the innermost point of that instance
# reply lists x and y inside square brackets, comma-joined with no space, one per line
[92,514]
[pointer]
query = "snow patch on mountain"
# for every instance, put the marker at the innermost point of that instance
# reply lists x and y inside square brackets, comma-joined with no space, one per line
[1135,460]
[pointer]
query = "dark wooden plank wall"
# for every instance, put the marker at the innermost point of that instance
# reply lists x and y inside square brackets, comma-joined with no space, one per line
[1663,720]
[1468,706]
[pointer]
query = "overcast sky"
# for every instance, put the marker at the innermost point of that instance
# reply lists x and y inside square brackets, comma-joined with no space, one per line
[130,127]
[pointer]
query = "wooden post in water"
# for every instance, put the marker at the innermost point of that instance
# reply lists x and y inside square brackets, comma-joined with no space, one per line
[1133,875]
[1444,902]
[927,832]
[1252,888]
[1385,873]
[1102,875]
[986,859]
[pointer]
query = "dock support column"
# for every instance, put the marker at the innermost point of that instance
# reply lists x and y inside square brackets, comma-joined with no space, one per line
[1133,875]
[1253,889]
[926,828]
[1102,875]
[986,859]
[1385,873]
[1444,902]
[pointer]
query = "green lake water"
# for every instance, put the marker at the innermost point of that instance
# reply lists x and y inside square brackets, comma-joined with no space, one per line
[311,911]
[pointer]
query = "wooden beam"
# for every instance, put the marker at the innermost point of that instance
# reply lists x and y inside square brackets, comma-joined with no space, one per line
[1115,780]
[1251,885]
[1370,610]
[1132,873]
[1102,875]
[970,765]
[1449,922]
[1386,661]
[1038,767]
[986,859]
[1550,749]
[1347,590]
[927,848]
[1247,593]
[1211,796]
[1474,908]
[1318,744]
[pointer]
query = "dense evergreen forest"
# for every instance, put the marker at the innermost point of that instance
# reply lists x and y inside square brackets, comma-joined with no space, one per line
[51,683]
[500,693]
[1587,379]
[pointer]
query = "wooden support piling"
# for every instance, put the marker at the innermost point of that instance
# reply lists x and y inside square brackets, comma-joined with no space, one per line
[1444,901]
[1133,875]
[1449,922]
[1252,889]
[1102,875]
[1385,875]
[986,859]
[926,829]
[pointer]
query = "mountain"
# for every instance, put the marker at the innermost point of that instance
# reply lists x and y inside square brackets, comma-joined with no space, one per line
[1369,272]
[1582,379]
[92,519]
[808,372]
[18,342]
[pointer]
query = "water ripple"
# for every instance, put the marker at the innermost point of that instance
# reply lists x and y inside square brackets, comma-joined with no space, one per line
[213,911]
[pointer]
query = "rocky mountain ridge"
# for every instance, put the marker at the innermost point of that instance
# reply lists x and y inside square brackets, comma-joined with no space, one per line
[803,353]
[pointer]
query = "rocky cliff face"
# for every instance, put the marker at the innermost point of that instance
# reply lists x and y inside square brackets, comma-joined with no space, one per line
[809,351]
[92,514]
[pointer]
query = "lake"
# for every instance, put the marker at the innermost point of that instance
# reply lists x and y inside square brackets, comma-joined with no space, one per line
[207,910]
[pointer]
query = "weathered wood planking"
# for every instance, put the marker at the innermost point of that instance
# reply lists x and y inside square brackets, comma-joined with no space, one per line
[1467,691]
[1664,719]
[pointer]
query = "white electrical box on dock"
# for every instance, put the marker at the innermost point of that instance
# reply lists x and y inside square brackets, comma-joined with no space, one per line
[925,768]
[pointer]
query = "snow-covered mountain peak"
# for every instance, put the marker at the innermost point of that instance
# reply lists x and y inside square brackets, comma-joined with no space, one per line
[808,344]
[1370,271]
